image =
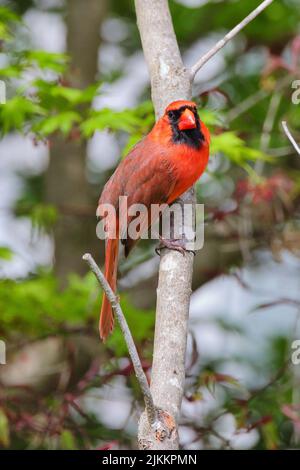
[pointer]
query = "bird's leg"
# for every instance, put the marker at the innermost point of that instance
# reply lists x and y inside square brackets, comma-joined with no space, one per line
[171,242]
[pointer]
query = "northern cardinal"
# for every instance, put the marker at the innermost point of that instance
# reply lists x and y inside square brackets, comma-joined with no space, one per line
[161,167]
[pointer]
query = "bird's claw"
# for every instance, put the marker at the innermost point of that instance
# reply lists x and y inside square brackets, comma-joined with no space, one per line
[175,245]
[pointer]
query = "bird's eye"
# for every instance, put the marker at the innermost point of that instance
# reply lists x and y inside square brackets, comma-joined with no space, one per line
[172,115]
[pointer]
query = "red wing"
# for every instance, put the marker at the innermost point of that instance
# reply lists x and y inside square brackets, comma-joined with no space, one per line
[146,177]
[156,182]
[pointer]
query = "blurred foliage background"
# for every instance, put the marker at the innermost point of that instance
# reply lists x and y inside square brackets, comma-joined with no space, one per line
[78,98]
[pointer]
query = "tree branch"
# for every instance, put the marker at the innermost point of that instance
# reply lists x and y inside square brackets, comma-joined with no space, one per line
[267,129]
[151,411]
[169,78]
[290,137]
[169,82]
[228,37]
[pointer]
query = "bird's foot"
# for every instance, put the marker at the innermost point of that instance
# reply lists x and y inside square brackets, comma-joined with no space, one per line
[175,245]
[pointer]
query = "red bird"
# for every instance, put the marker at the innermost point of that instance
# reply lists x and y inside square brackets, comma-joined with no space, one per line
[161,167]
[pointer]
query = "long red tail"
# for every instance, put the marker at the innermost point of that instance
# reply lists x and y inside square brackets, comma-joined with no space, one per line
[106,322]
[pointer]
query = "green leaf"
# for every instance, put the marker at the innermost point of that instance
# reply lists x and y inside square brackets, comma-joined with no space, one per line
[270,434]
[61,122]
[37,306]
[74,95]
[236,149]
[11,71]
[4,429]
[47,60]
[43,216]
[141,324]
[211,118]
[16,112]
[126,121]
[7,18]
[5,253]
[67,440]
[7,15]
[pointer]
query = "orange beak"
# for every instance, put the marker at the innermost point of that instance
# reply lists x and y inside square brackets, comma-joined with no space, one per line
[187,120]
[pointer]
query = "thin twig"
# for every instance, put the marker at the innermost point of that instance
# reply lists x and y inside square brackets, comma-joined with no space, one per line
[245,105]
[140,375]
[269,122]
[220,44]
[267,129]
[290,137]
[260,95]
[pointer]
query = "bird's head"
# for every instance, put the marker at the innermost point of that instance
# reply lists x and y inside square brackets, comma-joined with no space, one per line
[186,128]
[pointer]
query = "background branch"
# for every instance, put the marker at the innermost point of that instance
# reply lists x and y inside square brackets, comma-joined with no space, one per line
[228,37]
